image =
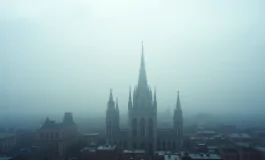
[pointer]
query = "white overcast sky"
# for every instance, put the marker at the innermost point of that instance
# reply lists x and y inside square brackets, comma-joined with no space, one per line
[65,55]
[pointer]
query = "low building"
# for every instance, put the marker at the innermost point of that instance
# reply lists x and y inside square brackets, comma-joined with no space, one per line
[91,139]
[61,135]
[199,156]
[172,157]
[206,133]
[7,142]
[106,152]
[134,154]
[229,153]
[261,150]
[240,137]
[159,155]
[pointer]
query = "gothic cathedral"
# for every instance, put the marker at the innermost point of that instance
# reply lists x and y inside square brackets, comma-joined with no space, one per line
[142,132]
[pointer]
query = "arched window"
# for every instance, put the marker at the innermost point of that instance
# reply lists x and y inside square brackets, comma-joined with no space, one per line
[109,130]
[134,146]
[41,136]
[57,135]
[150,127]
[134,127]
[46,136]
[125,145]
[142,126]
[174,145]
[52,136]
[158,144]
[168,145]
[150,147]
[142,146]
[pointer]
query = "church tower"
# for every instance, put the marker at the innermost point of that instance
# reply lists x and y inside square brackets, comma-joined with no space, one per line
[178,119]
[112,121]
[142,113]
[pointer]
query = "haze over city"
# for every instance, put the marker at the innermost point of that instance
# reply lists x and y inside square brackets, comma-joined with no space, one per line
[58,56]
[132,80]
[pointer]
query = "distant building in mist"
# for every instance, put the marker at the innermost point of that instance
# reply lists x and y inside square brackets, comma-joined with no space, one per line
[7,142]
[59,136]
[142,132]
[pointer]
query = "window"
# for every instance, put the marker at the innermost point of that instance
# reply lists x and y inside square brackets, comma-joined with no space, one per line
[142,124]
[150,127]
[56,135]
[134,127]
[41,136]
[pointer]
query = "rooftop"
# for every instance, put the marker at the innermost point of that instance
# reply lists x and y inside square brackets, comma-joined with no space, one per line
[206,132]
[160,153]
[172,157]
[6,135]
[134,151]
[91,134]
[262,149]
[107,147]
[240,135]
[199,156]
[6,158]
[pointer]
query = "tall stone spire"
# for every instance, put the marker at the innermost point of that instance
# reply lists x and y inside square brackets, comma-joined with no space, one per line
[117,104]
[130,99]
[178,106]
[155,102]
[142,74]
[111,103]
[117,107]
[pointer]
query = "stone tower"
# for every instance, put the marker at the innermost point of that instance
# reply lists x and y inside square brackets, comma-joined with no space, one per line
[178,119]
[142,112]
[112,121]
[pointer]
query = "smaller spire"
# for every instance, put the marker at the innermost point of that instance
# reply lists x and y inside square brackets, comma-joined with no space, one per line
[130,99]
[111,96]
[155,94]
[117,103]
[134,98]
[130,94]
[178,106]
[155,102]
[111,103]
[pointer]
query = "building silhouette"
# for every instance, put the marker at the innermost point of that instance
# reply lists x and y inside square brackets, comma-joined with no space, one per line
[58,136]
[142,132]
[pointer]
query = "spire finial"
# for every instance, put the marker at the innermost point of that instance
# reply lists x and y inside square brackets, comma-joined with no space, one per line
[130,94]
[178,102]
[110,96]
[142,74]
[142,47]
[155,94]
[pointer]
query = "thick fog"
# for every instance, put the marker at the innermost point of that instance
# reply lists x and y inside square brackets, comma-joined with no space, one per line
[65,55]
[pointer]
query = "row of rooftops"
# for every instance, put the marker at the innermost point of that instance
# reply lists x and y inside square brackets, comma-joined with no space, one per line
[167,155]
[195,156]
[240,135]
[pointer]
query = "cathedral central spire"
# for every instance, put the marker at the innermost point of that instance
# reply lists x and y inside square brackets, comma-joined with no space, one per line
[142,74]
[178,106]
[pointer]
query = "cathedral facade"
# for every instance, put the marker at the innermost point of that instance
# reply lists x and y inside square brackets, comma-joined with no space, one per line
[142,131]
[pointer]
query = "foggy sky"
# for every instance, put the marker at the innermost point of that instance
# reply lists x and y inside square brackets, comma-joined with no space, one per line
[65,55]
